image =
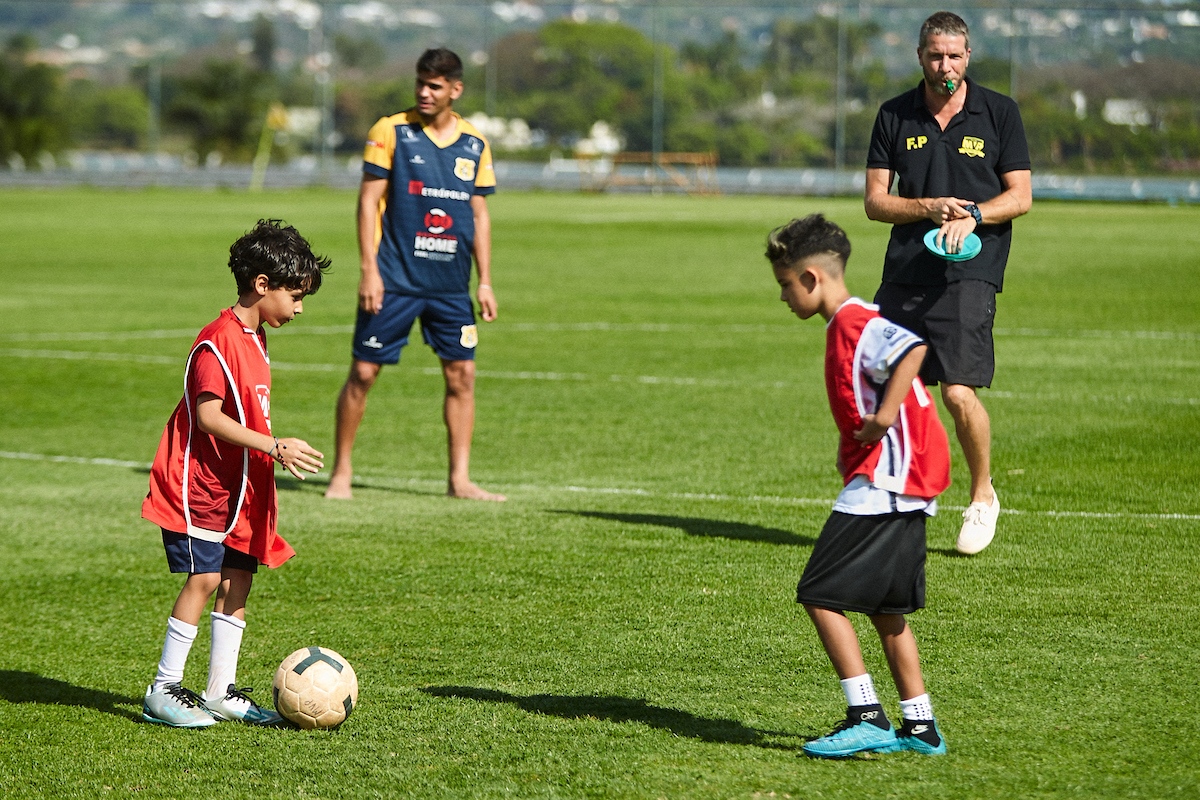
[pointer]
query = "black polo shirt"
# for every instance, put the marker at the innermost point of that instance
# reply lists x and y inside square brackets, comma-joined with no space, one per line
[983,141]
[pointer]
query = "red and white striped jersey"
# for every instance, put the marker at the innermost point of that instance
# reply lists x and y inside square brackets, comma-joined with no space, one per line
[862,349]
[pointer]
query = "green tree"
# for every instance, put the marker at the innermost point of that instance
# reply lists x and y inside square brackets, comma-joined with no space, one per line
[570,75]
[108,116]
[359,52]
[223,107]
[802,55]
[716,75]
[262,39]
[32,115]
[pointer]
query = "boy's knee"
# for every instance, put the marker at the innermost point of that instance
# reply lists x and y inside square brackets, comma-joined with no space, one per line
[207,582]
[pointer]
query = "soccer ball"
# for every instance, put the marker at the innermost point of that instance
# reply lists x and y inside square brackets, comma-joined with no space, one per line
[315,688]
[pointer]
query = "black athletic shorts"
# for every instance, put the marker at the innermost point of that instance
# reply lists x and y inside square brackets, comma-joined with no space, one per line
[955,320]
[868,564]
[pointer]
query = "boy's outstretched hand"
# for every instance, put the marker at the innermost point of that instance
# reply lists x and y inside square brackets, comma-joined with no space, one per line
[296,455]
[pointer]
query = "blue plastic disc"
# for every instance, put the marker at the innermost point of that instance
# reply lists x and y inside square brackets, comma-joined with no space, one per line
[970,247]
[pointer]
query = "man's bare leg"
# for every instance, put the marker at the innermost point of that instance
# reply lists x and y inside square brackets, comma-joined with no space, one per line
[352,404]
[974,430]
[459,414]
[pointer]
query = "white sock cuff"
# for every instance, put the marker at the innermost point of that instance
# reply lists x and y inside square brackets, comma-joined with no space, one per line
[917,707]
[860,690]
[232,620]
[181,630]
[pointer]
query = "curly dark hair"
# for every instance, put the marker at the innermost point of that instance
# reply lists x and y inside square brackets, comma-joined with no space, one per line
[279,252]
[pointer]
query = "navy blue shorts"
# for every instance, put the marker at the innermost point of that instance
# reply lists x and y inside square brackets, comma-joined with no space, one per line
[447,325]
[188,554]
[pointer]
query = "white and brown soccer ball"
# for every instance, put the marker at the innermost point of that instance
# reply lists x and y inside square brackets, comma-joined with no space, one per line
[315,688]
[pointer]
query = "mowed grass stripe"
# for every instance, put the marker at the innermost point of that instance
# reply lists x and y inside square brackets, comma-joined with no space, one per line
[380,481]
[655,380]
[602,327]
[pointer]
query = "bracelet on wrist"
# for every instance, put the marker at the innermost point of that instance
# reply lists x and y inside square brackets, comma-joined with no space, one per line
[274,451]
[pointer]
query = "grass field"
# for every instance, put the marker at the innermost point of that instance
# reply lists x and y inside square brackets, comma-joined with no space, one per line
[624,626]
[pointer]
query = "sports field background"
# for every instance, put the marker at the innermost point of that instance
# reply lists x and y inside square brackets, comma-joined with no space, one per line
[624,626]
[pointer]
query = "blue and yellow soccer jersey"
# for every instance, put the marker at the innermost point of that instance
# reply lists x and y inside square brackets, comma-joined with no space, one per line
[426,229]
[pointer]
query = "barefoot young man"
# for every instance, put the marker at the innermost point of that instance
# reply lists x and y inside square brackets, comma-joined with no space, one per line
[963,163]
[422,215]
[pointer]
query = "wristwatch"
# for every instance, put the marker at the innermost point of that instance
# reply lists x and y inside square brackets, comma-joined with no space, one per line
[973,210]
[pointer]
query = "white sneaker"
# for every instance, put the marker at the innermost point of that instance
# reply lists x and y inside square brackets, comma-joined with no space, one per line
[979,526]
[235,706]
[175,706]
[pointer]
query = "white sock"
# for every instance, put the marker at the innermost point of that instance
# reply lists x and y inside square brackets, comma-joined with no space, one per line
[222,661]
[917,708]
[860,691]
[176,646]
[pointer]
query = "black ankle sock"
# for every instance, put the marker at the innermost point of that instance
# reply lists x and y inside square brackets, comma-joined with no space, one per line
[923,729]
[872,714]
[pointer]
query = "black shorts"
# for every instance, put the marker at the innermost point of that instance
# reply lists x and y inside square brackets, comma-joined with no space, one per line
[867,564]
[955,320]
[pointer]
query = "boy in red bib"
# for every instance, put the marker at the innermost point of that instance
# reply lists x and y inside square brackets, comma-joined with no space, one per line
[212,484]
[894,457]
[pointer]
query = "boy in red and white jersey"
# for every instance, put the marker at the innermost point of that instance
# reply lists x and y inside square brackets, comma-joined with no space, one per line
[894,458]
[212,484]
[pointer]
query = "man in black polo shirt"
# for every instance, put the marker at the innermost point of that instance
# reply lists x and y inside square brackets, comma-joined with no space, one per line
[963,163]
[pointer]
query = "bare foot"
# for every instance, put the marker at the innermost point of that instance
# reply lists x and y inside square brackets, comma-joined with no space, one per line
[339,489]
[472,492]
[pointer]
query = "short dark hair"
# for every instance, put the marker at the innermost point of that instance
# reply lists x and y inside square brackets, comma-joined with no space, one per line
[813,235]
[279,252]
[944,23]
[440,61]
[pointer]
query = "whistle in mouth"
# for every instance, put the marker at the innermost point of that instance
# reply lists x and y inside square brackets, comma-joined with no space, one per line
[949,86]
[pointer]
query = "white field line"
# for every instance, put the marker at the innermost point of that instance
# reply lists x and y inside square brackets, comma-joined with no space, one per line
[387,482]
[532,375]
[89,355]
[634,327]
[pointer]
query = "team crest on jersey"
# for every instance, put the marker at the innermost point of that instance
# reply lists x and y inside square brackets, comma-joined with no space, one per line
[972,146]
[264,401]
[464,169]
[408,133]
[469,336]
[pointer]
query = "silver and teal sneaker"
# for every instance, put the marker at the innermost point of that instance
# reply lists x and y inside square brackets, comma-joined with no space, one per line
[235,706]
[175,706]
[921,736]
[864,730]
